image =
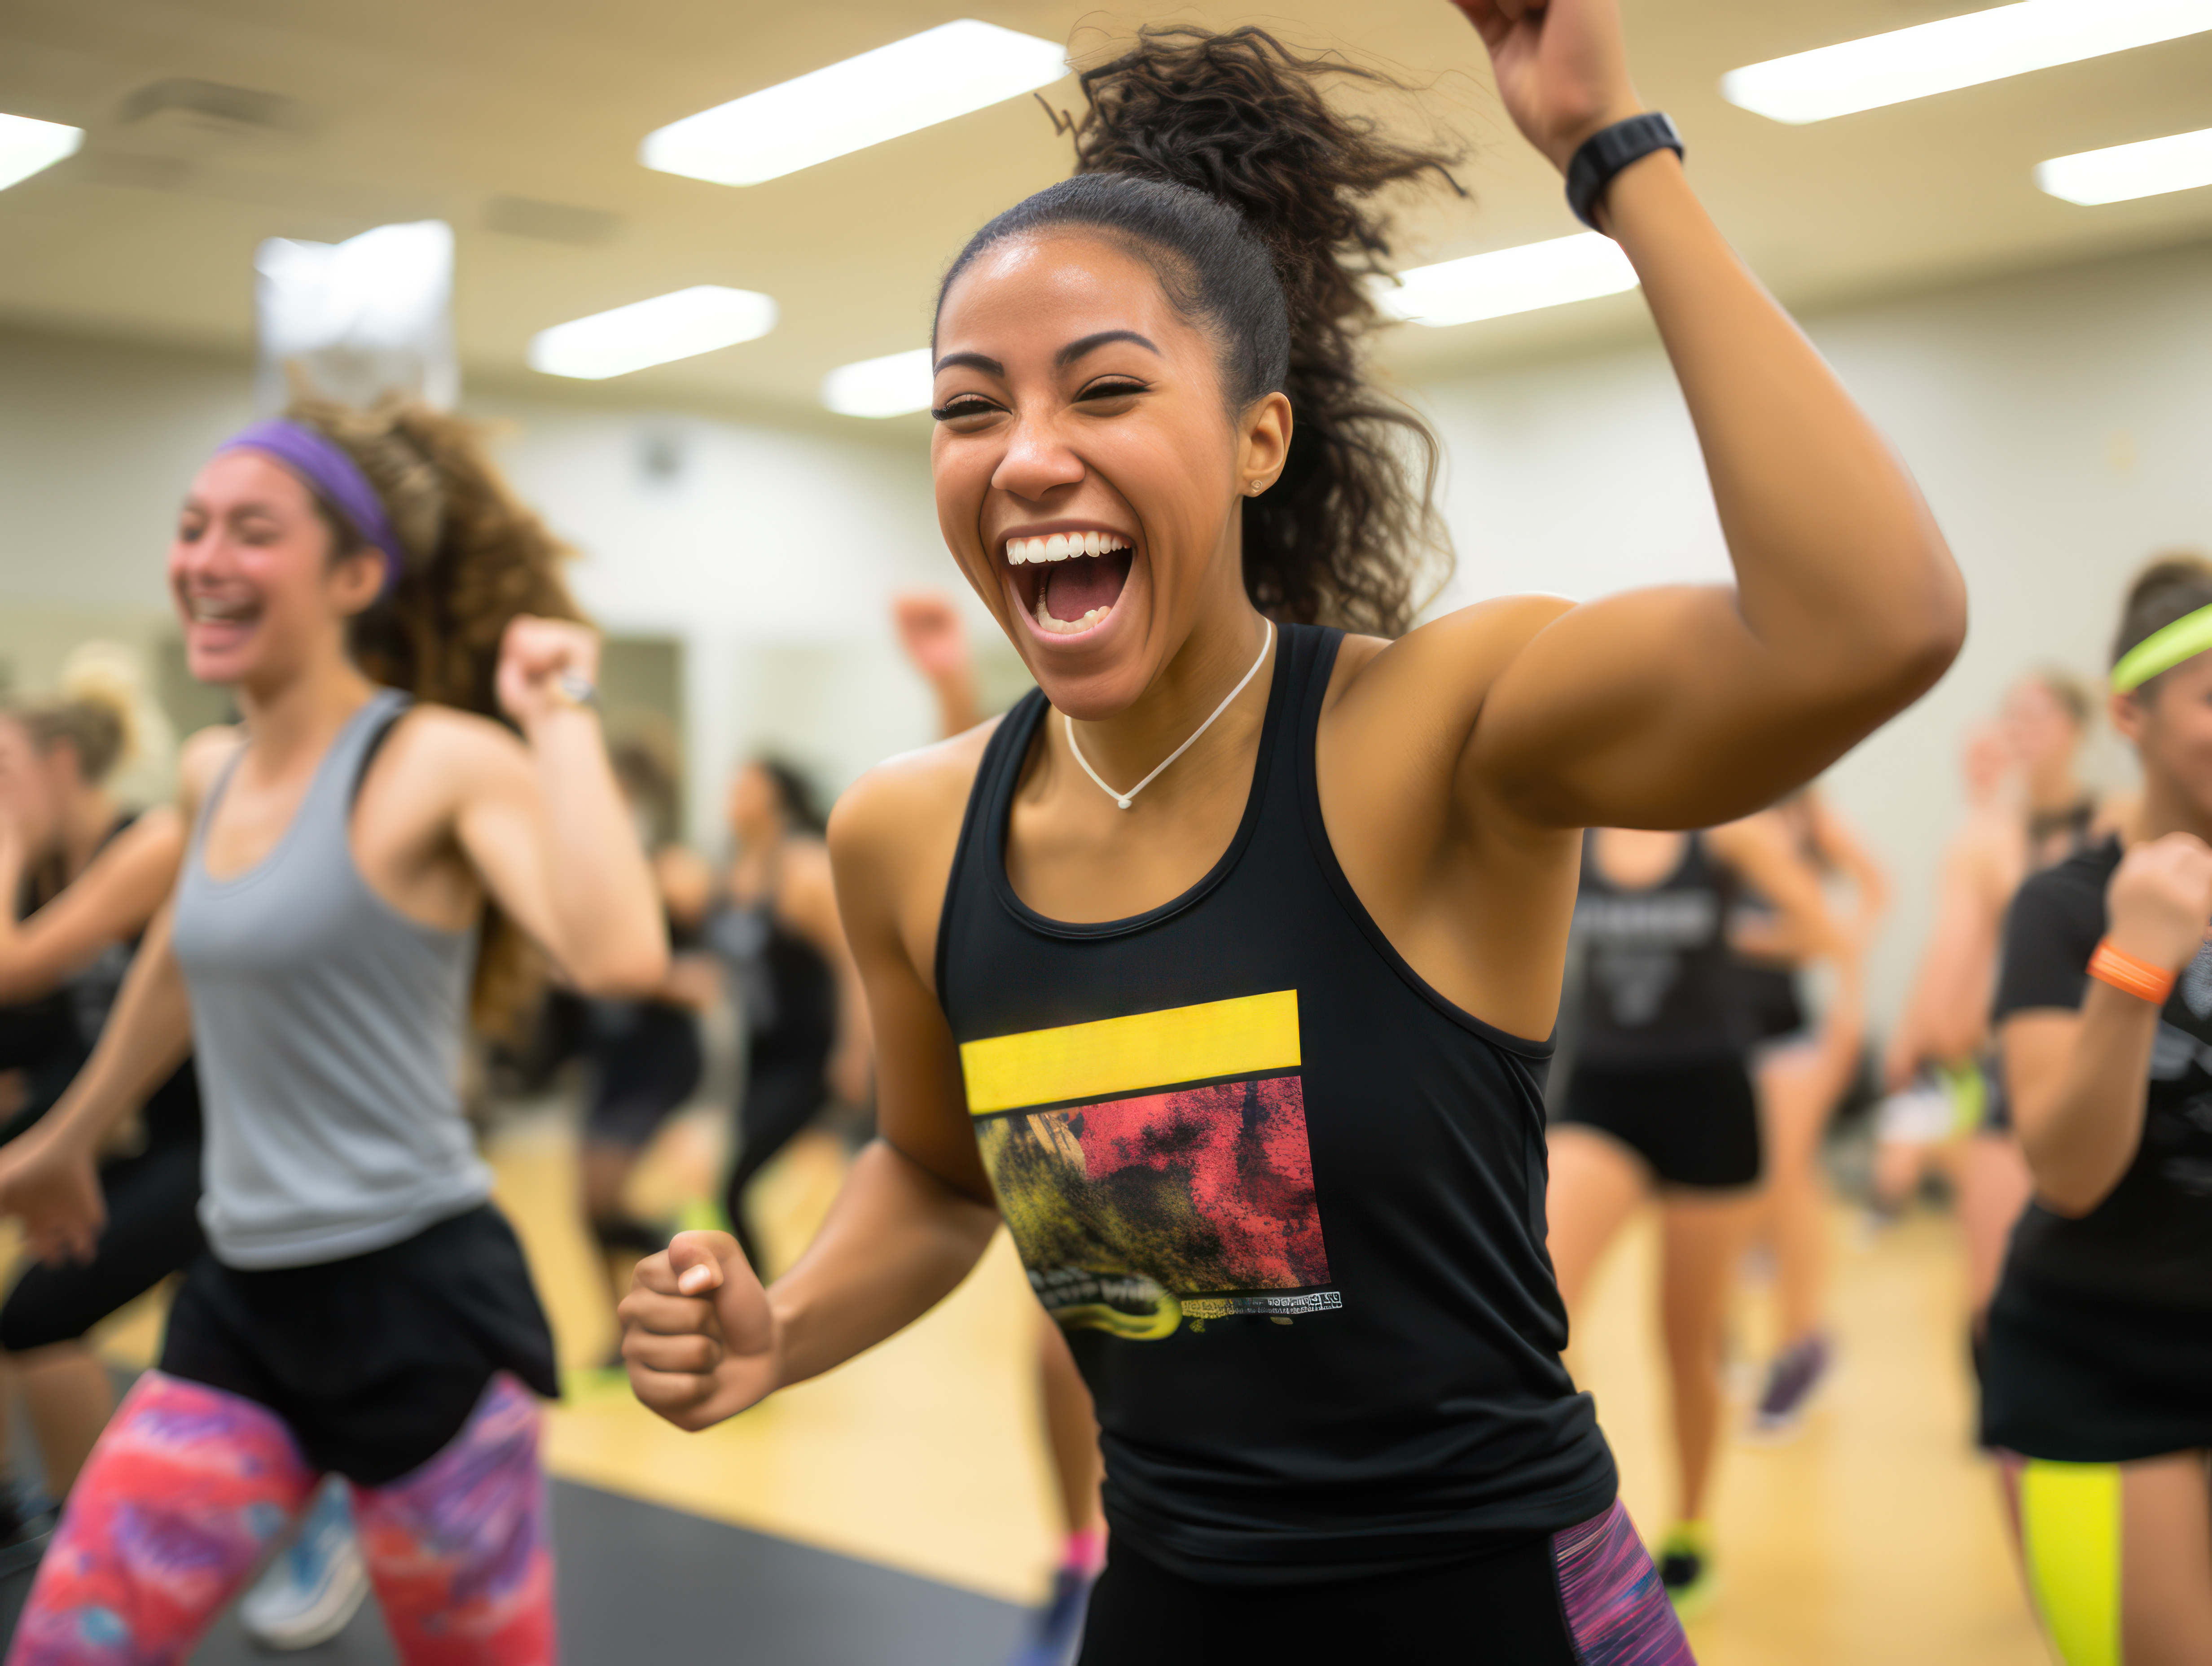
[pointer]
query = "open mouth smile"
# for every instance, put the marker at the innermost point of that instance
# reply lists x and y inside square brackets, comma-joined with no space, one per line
[1068,581]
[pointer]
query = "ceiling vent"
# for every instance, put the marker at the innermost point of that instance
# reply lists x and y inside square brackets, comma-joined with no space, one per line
[551,222]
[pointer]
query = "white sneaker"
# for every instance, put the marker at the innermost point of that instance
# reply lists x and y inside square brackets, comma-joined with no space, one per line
[317,1582]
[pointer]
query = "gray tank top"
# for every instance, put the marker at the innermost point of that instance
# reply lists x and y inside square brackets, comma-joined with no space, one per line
[328,1029]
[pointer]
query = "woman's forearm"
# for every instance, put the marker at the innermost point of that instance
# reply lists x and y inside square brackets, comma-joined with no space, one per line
[147,1034]
[605,908]
[2079,1136]
[1836,557]
[897,1242]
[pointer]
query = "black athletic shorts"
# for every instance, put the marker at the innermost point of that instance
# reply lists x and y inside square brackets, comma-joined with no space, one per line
[377,1361]
[646,1061]
[1693,1124]
[2081,1379]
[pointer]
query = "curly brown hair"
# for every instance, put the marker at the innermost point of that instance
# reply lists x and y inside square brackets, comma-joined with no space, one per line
[1218,159]
[476,556]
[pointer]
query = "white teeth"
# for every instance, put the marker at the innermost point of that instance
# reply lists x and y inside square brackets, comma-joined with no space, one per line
[1059,546]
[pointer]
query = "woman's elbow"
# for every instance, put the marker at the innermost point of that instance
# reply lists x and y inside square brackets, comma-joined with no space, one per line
[620,971]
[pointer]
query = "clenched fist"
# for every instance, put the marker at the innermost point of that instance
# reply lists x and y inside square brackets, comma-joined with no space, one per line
[698,1335]
[2161,900]
[534,655]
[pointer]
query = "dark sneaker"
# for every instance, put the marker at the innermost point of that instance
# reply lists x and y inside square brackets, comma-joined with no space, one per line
[1792,1381]
[1686,1570]
[1058,1626]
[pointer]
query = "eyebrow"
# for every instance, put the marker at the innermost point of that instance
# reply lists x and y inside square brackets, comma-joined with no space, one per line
[988,366]
[1075,349]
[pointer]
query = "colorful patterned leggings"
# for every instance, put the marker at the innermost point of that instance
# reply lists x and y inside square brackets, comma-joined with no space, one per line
[1586,1597]
[189,1486]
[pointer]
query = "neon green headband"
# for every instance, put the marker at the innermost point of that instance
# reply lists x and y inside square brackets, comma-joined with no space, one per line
[2162,650]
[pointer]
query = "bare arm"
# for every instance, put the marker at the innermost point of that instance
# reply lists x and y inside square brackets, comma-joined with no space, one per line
[109,902]
[1756,849]
[702,1338]
[1842,850]
[546,827]
[936,645]
[1946,1015]
[2078,1082]
[1689,705]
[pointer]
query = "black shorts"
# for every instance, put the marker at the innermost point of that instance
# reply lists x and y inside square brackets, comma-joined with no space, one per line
[377,1361]
[1771,1002]
[1693,1124]
[646,1061]
[153,1230]
[2081,1379]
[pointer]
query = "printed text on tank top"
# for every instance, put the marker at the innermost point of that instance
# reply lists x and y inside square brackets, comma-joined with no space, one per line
[1656,966]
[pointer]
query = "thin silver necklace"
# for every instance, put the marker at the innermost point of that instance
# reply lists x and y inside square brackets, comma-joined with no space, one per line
[1125,799]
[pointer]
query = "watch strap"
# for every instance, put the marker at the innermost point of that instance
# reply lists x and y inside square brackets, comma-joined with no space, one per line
[1608,151]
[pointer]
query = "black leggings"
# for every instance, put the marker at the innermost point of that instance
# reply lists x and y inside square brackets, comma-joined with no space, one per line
[153,1230]
[782,1096]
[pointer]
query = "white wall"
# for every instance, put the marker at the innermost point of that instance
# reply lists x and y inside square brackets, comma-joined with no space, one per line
[2061,425]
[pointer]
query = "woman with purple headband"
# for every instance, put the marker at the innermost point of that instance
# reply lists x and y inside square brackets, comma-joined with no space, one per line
[356,859]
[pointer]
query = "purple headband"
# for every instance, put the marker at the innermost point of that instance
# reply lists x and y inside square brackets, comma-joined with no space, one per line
[325,469]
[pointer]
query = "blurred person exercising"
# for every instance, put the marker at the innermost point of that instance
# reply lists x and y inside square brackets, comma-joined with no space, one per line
[89,876]
[1218,967]
[2097,1380]
[362,1309]
[775,930]
[936,644]
[1659,1101]
[1801,1068]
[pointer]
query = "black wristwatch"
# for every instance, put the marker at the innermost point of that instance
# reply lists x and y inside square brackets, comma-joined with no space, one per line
[1608,151]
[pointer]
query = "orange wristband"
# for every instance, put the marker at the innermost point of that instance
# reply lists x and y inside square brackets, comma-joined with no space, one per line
[2130,975]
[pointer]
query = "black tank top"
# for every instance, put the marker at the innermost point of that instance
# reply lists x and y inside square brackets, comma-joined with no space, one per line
[1286,1200]
[1659,983]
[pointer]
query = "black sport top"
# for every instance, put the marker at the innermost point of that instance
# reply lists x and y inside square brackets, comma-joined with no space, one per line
[1660,984]
[2149,1243]
[1286,1199]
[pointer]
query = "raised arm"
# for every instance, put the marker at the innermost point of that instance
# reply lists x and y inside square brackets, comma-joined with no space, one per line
[702,1340]
[109,902]
[1690,705]
[546,827]
[2078,1082]
[936,645]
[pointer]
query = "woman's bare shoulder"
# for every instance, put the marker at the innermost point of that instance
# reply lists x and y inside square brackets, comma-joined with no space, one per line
[900,811]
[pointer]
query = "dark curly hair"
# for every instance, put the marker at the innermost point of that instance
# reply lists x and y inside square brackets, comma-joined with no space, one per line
[1218,159]
[476,557]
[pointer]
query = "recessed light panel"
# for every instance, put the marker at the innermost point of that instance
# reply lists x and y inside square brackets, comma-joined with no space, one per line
[656,331]
[1954,52]
[28,147]
[901,88]
[1517,280]
[2152,168]
[890,387]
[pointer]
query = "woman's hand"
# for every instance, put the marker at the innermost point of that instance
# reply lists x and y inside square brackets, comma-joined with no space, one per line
[534,656]
[698,1335]
[15,857]
[50,1181]
[1562,68]
[2161,900]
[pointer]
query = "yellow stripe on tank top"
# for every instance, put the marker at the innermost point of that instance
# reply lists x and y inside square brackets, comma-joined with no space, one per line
[1245,1037]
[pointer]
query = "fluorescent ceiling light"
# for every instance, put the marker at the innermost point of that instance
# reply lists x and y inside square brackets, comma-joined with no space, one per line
[1517,280]
[1954,52]
[670,326]
[2182,163]
[28,147]
[889,387]
[901,88]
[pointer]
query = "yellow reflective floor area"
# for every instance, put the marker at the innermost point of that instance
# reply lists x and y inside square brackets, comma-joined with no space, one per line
[1875,1536]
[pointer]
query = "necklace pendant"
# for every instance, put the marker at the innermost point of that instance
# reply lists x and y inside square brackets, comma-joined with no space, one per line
[1124,803]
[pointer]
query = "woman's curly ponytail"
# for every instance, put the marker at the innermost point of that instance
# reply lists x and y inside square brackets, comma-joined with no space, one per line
[1217,158]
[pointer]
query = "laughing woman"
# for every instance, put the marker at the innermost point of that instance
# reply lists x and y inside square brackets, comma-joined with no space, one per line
[1220,969]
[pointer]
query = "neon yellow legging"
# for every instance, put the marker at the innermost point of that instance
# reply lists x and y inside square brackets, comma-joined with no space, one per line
[2069,1530]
